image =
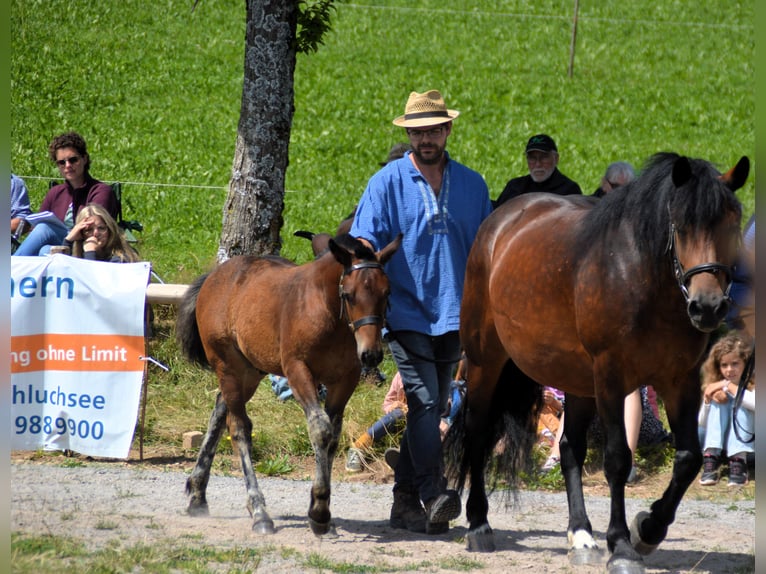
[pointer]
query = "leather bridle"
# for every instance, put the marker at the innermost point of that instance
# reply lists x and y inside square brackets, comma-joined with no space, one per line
[682,276]
[367,320]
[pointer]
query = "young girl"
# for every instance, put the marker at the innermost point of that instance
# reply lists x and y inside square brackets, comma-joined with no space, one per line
[97,236]
[721,375]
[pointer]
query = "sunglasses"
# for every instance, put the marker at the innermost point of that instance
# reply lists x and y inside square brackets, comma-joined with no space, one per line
[74,160]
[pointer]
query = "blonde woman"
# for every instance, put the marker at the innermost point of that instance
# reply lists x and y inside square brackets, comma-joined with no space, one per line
[721,374]
[96,236]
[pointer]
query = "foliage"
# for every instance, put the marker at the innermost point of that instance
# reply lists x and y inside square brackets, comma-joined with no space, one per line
[275,466]
[313,24]
[156,93]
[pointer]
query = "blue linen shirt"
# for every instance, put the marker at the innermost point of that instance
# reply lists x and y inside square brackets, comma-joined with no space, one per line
[427,272]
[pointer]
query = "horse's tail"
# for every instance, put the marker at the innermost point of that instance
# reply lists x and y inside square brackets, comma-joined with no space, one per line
[510,434]
[187,329]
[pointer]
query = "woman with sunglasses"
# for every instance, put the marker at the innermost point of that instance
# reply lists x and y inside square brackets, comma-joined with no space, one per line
[70,154]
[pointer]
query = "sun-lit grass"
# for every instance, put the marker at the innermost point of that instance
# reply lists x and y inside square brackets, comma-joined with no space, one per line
[156,93]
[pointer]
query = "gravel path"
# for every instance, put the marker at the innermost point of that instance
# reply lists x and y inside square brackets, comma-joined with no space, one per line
[104,504]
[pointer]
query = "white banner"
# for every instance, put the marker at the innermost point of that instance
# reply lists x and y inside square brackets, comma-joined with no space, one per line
[77,339]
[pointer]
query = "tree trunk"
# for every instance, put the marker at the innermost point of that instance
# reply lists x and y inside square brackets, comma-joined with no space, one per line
[252,214]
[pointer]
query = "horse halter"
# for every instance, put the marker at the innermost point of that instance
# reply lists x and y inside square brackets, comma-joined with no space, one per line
[369,319]
[682,277]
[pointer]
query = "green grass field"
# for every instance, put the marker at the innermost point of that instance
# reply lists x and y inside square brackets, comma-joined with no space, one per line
[155,90]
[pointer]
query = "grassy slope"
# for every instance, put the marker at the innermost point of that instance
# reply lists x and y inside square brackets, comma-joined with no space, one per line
[155,90]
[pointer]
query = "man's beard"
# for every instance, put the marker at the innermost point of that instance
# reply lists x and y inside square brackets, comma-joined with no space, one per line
[435,154]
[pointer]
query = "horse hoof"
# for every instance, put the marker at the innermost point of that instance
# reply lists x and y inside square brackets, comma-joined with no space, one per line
[587,555]
[643,548]
[322,528]
[198,510]
[624,566]
[264,526]
[480,539]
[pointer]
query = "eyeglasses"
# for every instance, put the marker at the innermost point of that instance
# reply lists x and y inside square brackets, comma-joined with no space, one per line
[74,160]
[418,134]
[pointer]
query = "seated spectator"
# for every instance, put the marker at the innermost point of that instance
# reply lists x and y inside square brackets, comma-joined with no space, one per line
[96,236]
[20,207]
[550,415]
[281,388]
[617,174]
[721,374]
[642,427]
[69,152]
[544,175]
[393,420]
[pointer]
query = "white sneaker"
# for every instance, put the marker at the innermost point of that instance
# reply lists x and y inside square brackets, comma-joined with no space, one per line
[354,460]
[550,464]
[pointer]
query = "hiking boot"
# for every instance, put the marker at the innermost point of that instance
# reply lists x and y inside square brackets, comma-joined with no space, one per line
[407,513]
[737,471]
[710,466]
[440,510]
[633,476]
[354,460]
[391,457]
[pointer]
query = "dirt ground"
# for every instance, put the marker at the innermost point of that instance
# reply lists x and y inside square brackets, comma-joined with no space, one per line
[124,503]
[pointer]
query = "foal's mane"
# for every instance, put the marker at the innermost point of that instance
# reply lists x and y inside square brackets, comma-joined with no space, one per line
[645,204]
[356,247]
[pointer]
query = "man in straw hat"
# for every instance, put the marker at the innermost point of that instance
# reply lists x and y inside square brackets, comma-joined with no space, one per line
[437,205]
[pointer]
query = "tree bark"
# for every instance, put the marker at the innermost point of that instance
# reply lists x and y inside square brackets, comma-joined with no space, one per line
[252,214]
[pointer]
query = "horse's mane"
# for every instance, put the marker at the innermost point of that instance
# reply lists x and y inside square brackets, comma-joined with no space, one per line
[645,204]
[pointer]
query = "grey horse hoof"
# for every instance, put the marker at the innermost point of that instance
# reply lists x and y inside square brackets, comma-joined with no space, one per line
[643,548]
[264,526]
[480,539]
[583,556]
[625,566]
[322,528]
[198,510]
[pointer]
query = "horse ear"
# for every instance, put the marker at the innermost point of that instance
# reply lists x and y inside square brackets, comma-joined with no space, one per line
[385,254]
[342,256]
[682,171]
[736,176]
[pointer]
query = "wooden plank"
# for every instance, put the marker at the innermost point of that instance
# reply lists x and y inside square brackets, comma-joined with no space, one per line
[165,293]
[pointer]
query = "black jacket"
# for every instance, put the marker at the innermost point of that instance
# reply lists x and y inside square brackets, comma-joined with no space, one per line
[557,183]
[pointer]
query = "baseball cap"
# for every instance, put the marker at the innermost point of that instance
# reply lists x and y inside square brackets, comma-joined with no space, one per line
[541,142]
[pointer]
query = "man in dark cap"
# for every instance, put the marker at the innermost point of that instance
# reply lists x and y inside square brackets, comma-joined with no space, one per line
[542,160]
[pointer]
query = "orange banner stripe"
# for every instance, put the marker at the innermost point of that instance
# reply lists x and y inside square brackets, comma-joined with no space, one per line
[76,352]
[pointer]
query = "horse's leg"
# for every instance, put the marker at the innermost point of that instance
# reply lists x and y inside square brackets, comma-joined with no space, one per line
[240,429]
[617,464]
[649,529]
[578,414]
[196,484]
[324,426]
[504,406]
[478,429]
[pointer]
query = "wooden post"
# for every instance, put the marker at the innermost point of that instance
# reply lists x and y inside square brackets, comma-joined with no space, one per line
[574,38]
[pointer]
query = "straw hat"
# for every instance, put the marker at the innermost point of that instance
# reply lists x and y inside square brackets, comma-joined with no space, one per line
[427,109]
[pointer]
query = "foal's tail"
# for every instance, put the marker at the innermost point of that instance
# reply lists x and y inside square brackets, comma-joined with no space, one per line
[502,444]
[187,329]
